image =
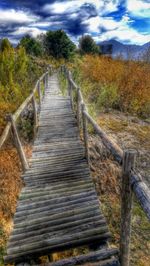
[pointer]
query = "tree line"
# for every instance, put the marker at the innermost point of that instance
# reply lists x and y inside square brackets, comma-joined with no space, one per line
[56,44]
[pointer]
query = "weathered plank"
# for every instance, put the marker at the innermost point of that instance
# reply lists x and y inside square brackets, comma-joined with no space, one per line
[87,258]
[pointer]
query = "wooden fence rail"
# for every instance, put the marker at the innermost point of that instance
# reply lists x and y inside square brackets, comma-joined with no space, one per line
[131,180]
[12,119]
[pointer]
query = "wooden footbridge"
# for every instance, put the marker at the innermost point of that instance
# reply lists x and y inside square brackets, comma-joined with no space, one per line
[58,208]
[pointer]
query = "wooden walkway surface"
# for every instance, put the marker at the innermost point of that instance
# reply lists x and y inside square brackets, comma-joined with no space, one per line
[58,208]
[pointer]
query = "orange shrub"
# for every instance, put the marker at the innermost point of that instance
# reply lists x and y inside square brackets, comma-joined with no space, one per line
[130,79]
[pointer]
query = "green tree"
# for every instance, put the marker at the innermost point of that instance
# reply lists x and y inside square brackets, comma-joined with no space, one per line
[58,44]
[31,45]
[88,46]
[5,44]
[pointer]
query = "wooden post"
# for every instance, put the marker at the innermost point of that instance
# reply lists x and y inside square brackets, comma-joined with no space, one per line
[71,95]
[78,108]
[70,88]
[18,144]
[67,77]
[35,115]
[39,93]
[47,76]
[45,81]
[85,132]
[126,207]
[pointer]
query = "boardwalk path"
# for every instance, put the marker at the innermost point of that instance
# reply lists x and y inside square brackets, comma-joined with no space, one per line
[58,208]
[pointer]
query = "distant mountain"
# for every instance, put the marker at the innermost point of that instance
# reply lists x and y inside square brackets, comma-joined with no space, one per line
[125,51]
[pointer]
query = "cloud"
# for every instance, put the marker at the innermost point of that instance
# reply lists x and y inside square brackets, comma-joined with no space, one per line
[15,16]
[102,6]
[125,35]
[138,8]
[126,21]
[34,32]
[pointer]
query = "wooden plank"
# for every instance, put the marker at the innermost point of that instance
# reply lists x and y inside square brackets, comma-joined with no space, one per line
[86,220]
[56,247]
[57,200]
[50,209]
[54,222]
[87,258]
[51,232]
[55,208]
[58,240]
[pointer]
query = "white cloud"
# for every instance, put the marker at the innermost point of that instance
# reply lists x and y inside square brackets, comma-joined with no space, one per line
[139,8]
[15,16]
[94,24]
[33,31]
[120,30]
[102,6]
[124,34]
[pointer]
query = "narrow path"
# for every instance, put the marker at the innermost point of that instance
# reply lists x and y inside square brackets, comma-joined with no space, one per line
[58,208]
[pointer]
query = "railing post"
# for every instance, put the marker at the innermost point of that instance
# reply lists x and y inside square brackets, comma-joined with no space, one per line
[35,115]
[126,207]
[44,82]
[39,93]
[18,144]
[70,89]
[85,131]
[47,77]
[78,107]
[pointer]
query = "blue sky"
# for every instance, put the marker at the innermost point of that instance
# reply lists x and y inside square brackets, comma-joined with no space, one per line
[126,21]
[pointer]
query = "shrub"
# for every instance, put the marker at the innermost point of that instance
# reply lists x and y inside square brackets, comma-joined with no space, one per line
[31,45]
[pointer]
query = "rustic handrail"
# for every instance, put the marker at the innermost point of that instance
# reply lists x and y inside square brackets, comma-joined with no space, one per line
[139,187]
[18,112]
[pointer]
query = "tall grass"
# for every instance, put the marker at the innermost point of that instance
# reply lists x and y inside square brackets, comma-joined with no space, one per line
[18,73]
[123,85]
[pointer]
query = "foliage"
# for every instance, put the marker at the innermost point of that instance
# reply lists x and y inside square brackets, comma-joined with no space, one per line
[58,44]
[16,80]
[88,46]
[5,44]
[124,84]
[108,96]
[31,45]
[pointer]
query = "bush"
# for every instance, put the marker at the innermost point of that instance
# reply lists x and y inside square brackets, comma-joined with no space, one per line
[31,45]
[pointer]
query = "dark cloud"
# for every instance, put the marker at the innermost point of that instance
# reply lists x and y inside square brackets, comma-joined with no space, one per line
[74,25]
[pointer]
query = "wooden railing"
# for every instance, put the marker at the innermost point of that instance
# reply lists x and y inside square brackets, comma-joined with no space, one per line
[132,181]
[12,119]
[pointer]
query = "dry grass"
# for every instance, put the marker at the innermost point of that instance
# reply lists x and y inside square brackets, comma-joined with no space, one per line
[124,85]
[10,186]
[107,178]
